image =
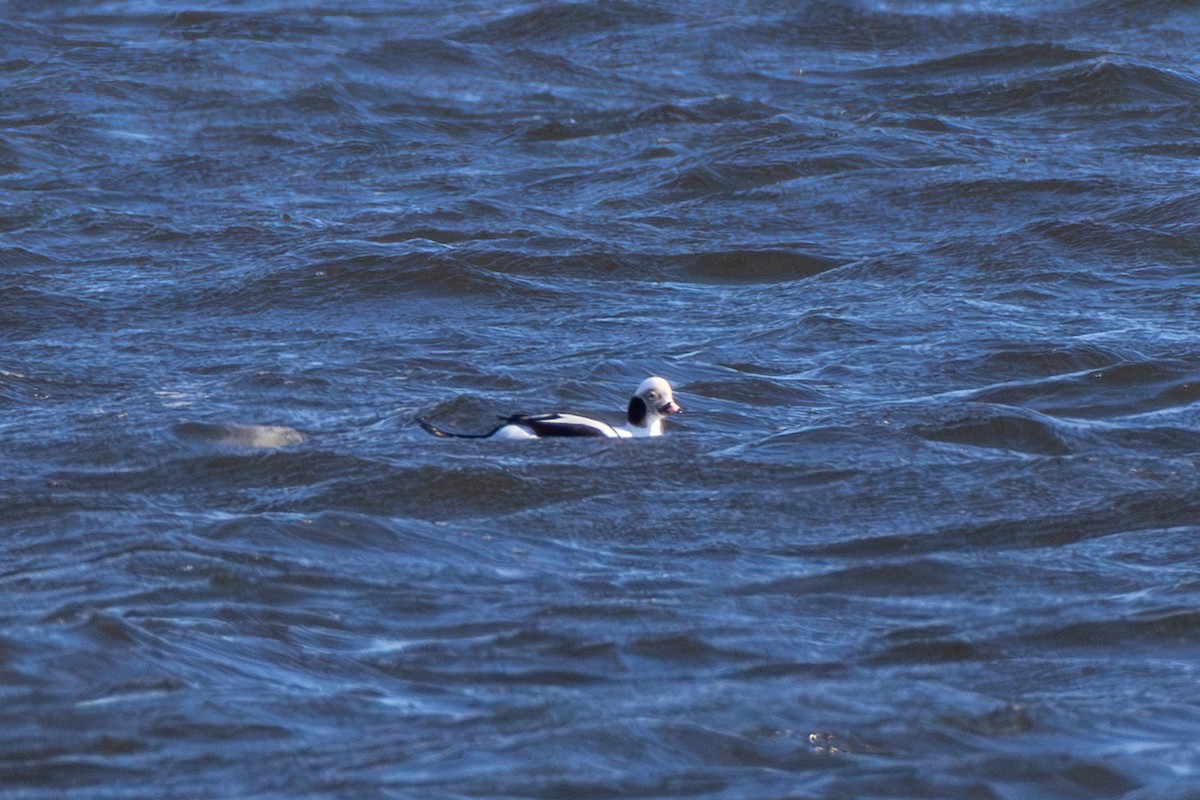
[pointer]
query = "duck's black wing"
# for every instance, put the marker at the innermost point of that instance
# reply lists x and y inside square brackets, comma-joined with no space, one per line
[546,425]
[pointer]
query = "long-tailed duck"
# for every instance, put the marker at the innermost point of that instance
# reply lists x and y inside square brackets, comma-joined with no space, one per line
[649,406]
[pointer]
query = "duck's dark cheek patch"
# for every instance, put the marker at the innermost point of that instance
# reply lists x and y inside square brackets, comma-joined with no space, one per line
[637,411]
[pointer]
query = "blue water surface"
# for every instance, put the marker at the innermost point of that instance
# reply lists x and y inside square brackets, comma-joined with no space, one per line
[923,276]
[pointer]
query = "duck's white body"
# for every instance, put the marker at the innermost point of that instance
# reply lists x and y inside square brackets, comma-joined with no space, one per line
[542,425]
[650,405]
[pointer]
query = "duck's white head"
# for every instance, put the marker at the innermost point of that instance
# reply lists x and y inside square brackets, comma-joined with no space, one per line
[650,404]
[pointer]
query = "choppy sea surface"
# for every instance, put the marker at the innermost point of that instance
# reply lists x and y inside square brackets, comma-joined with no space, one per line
[925,276]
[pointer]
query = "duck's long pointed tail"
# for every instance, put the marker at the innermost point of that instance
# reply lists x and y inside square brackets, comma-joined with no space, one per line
[436,431]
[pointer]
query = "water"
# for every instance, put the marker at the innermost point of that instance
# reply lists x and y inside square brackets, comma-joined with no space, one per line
[923,276]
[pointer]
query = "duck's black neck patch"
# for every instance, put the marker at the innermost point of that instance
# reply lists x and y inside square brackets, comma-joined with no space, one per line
[637,411]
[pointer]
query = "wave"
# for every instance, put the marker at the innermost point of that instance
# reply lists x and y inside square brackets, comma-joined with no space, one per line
[565,20]
[24,311]
[1123,13]
[1100,86]
[855,26]
[541,269]
[194,25]
[600,122]
[364,275]
[1007,59]
[1009,429]
[748,266]
[1171,627]
[1013,362]
[1122,390]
